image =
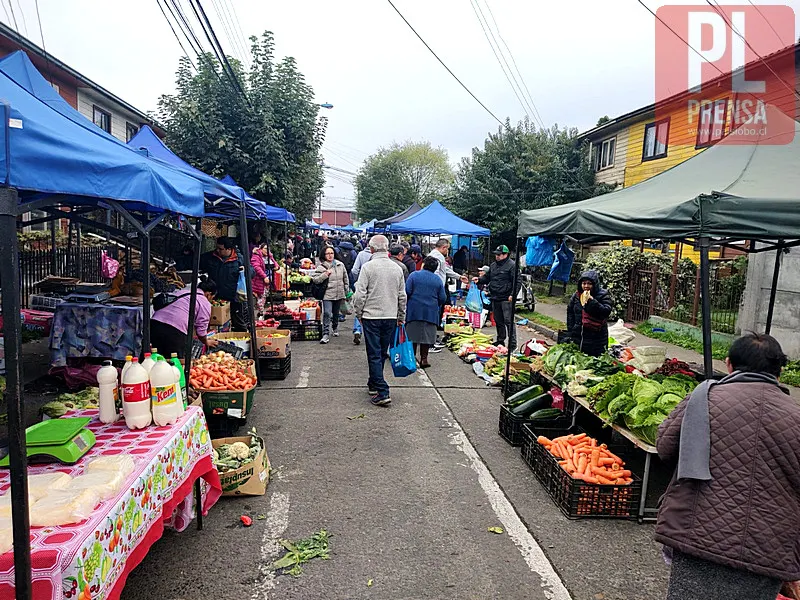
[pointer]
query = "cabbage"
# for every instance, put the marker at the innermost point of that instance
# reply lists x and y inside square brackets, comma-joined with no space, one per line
[647,391]
[668,402]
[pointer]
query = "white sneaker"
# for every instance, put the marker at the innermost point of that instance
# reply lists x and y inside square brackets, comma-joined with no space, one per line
[325,339]
[335,334]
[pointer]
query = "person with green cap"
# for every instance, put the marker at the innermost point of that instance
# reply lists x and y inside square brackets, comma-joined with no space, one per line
[500,285]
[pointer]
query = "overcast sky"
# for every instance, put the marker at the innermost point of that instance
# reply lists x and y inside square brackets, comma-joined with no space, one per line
[580,59]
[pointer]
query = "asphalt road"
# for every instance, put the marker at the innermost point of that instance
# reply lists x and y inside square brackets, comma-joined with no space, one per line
[407,494]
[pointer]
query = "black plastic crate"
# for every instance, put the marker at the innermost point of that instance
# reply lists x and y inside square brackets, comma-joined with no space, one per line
[303,330]
[510,425]
[275,368]
[222,426]
[578,499]
[199,348]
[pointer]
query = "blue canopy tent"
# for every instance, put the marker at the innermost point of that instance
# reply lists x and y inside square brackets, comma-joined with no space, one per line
[350,229]
[435,218]
[51,155]
[273,213]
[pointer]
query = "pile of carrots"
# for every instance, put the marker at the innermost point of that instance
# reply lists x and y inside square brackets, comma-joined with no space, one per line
[583,458]
[226,374]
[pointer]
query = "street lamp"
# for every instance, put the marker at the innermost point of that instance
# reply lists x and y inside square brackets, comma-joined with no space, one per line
[326,105]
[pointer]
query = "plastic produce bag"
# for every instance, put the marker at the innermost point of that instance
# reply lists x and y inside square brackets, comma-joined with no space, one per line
[108,266]
[473,302]
[62,507]
[241,287]
[106,483]
[121,463]
[402,354]
[620,333]
[43,483]
[5,502]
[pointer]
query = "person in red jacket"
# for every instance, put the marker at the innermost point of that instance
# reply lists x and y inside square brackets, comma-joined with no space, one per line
[260,277]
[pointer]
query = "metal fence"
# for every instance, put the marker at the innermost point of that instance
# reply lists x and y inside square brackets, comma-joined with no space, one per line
[677,297]
[35,265]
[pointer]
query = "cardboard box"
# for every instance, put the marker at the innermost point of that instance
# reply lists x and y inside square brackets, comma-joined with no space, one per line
[220,314]
[250,479]
[273,347]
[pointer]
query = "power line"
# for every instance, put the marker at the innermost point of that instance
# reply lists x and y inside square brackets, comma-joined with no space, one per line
[44,48]
[5,10]
[339,170]
[513,60]
[13,16]
[186,54]
[237,27]
[719,11]
[767,21]
[444,65]
[222,17]
[486,33]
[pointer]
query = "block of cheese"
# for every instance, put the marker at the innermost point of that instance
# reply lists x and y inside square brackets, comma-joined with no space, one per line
[122,463]
[62,507]
[43,483]
[5,502]
[106,483]
[6,535]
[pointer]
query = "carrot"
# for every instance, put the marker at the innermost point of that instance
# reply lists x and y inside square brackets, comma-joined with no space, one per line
[587,470]
[581,463]
[570,450]
[544,441]
[578,438]
[604,481]
[586,478]
[570,466]
[593,442]
[606,462]
[555,450]
[621,474]
[595,457]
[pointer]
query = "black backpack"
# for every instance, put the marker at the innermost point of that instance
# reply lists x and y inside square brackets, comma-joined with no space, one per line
[348,259]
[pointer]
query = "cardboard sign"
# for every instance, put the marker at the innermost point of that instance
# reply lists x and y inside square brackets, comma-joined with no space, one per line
[251,478]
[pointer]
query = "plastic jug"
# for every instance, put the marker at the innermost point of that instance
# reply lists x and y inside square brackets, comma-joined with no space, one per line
[180,374]
[107,380]
[154,354]
[164,393]
[148,362]
[125,367]
[136,396]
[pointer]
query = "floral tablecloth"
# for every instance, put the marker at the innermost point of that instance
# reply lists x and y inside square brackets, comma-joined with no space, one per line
[96,330]
[91,560]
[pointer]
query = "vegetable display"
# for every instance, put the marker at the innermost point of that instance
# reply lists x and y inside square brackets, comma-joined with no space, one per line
[583,458]
[220,371]
[65,403]
[229,457]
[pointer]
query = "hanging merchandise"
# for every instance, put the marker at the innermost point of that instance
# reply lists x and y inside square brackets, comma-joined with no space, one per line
[241,286]
[539,251]
[107,380]
[562,265]
[164,393]
[136,396]
[108,266]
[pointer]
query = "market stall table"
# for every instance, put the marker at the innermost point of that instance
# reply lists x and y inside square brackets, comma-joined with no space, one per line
[99,553]
[83,330]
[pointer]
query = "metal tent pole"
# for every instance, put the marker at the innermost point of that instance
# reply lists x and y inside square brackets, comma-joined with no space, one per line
[705,273]
[145,265]
[249,284]
[78,252]
[53,263]
[513,322]
[198,238]
[17,451]
[774,289]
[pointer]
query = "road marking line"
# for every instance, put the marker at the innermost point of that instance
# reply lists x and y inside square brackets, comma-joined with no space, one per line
[552,586]
[277,522]
[303,381]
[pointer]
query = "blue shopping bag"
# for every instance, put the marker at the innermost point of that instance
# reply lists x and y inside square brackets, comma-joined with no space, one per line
[402,354]
[474,303]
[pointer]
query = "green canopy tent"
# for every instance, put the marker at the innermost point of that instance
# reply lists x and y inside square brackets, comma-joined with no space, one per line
[727,193]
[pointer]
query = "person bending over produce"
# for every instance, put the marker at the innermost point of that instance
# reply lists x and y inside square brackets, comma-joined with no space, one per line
[730,518]
[587,315]
[170,325]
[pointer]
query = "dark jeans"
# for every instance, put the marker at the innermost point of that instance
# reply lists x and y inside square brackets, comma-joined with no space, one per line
[167,339]
[504,319]
[240,316]
[378,336]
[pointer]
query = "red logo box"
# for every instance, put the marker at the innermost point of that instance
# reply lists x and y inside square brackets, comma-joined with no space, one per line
[731,78]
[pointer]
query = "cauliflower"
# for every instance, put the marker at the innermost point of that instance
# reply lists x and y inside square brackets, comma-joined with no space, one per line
[216,456]
[239,450]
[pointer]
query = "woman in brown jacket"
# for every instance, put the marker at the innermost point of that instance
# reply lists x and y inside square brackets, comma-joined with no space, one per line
[334,272]
[730,518]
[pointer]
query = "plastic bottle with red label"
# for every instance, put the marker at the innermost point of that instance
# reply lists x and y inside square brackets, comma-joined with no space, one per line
[136,396]
[164,393]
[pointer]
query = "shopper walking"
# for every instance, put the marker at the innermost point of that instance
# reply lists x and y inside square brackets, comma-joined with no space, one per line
[260,277]
[416,254]
[396,256]
[499,281]
[362,258]
[425,298]
[380,305]
[730,517]
[408,261]
[333,271]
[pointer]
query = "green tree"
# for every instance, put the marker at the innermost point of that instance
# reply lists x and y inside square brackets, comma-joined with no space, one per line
[269,142]
[522,168]
[395,177]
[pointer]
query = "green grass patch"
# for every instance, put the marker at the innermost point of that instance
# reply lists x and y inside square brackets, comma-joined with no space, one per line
[719,350]
[544,320]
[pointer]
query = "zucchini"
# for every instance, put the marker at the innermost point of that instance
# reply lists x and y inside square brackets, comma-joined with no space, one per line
[524,395]
[534,404]
[547,413]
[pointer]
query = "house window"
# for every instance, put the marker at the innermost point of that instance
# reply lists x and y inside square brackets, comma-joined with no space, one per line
[130,131]
[711,122]
[35,214]
[604,154]
[656,138]
[101,118]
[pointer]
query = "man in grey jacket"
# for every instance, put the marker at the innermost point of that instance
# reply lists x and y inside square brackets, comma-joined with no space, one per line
[380,305]
[362,258]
